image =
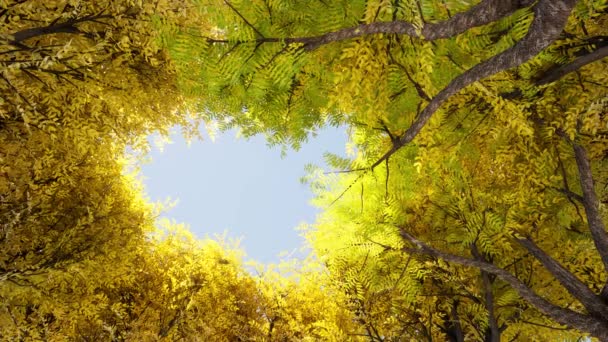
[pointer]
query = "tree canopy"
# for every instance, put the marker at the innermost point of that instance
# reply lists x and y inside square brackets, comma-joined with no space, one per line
[472,205]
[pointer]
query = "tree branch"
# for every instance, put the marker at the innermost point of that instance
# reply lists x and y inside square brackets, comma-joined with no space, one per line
[454,328]
[550,17]
[67,27]
[555,74]
[561,315]
[591,203]
[244,19]
[571,283]
[570,194]
[484,13]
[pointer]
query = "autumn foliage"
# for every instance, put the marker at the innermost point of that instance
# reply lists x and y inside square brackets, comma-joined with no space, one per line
[472,204]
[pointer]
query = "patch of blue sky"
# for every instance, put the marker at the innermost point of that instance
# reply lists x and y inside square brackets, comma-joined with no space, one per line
[240,186]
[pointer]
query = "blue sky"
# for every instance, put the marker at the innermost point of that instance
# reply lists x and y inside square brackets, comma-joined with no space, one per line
[240,186]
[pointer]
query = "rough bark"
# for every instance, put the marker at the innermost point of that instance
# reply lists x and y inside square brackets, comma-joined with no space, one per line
[486,12]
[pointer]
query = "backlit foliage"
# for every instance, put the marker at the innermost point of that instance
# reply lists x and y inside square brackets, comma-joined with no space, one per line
[90,69]
[501,122]
[472,206]
[60,235]
[256,65]
[496,165]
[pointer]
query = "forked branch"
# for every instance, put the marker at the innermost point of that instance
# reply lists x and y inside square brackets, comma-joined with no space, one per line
[567,317]
[569,281]
[550,17]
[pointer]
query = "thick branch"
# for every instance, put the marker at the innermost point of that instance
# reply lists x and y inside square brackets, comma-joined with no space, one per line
[486,12]
[571,283]
[550,17]
[561,315]
[591,203]
[555,74]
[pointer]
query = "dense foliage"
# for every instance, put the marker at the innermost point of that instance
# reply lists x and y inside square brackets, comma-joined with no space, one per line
[472,207]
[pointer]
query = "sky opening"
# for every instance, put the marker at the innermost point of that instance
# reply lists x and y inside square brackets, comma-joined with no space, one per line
[240,186]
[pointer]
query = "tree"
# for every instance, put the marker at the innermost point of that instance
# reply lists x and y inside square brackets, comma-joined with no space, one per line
[401,294]
[513,89]
[184,288]
[517,207]
[94,69]
[481,138]
[172,287]
[283,69]
[299,301]
[80,257]
[78,83]
[60,234]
